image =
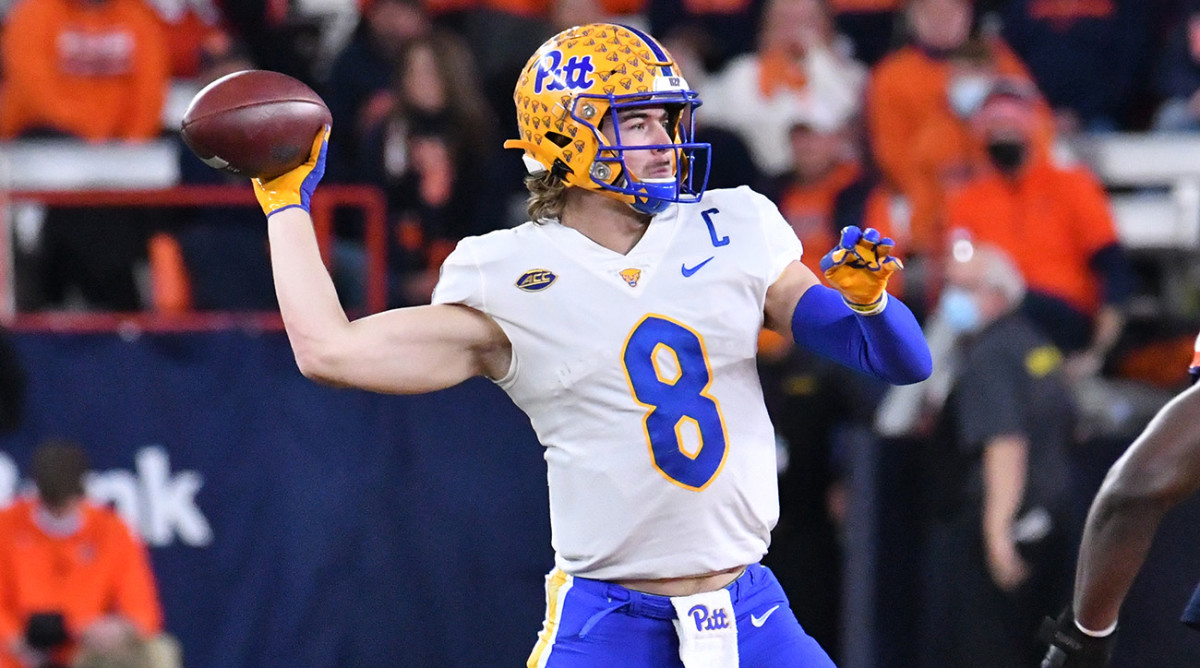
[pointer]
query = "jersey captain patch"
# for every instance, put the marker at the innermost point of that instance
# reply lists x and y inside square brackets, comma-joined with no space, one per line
[535,280]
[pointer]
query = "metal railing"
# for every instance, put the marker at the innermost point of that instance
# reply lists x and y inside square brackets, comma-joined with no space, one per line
[368,199]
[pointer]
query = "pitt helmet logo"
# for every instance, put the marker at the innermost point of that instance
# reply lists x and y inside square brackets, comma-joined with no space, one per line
[708,621]
[554,74]
[631,276]
[535,280]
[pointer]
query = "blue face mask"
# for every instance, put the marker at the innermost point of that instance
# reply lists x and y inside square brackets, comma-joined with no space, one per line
[959,310]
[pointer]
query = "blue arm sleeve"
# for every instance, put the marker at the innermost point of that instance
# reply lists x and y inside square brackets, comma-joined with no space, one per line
[888,345]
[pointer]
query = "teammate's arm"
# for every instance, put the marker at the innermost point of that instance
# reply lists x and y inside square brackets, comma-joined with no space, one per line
[856,325]
[1156,473]
[405,351]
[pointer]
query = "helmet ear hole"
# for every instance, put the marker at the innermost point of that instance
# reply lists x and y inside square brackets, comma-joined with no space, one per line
[558,139]
[560,170]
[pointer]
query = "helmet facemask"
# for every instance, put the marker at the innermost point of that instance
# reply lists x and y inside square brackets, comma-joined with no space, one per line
[609,170]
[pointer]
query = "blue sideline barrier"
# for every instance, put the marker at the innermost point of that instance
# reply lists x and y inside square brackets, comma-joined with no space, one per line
[293,525]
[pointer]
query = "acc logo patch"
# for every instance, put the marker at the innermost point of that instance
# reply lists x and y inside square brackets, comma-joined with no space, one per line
[535,280]
[631,276]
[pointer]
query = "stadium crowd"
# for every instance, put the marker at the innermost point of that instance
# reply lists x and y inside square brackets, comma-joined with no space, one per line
[934,121]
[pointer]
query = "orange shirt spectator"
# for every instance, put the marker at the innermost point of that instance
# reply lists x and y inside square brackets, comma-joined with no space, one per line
[100,569]
[908,90]
[91,69]
[809,209]
[60,553]
[1050,219]
[1054,222]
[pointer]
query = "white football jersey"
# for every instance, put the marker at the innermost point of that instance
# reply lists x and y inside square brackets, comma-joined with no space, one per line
[638,374]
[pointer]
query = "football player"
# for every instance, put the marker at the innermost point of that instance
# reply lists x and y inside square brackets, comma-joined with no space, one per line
[624,320]
[1158,471]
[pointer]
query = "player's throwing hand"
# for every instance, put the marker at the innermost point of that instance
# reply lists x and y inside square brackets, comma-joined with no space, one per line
[859,268]
[295,188]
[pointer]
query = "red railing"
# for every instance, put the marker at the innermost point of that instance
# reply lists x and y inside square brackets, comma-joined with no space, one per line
[327,199]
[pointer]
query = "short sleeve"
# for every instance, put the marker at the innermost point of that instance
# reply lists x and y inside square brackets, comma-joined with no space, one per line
[783,246]
[460,281]
[988,401]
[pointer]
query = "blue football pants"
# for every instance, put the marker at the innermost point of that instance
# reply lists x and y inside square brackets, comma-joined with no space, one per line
[595,624]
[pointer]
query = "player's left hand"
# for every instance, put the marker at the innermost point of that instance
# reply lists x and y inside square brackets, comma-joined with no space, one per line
[859,267]
[296,187]
[1072,648]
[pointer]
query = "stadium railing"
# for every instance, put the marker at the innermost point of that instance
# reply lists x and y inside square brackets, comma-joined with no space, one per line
[368,199]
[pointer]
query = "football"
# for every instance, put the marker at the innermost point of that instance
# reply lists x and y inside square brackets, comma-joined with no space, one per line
[254,123]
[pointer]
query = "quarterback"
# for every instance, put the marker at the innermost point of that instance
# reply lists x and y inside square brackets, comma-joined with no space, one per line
[623,319]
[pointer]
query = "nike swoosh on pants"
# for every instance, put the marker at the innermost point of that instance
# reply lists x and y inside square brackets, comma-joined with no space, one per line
[759,621]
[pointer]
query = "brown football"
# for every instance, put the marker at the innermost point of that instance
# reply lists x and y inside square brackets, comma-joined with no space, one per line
[254,123]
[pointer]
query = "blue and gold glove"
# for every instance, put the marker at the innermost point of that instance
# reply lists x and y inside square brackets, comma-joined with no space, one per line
[295,188]
[859,267]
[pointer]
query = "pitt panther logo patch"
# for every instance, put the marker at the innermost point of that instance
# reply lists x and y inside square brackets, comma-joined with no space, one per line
[554,74]
[535,280]
[631,276]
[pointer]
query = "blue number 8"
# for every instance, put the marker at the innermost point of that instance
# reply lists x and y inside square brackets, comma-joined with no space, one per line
[676,396]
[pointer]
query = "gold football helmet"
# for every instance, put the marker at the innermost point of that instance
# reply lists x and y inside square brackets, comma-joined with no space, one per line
[584,75]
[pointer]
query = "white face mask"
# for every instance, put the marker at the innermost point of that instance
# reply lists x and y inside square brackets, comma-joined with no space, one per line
[966,93]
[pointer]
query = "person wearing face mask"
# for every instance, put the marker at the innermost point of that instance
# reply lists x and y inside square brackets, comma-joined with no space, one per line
[914,103]
[999,531]
[1056,224]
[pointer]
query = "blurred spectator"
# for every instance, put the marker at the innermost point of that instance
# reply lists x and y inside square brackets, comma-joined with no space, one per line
[870,25]
[358,89]
[93,69]
[724,29]
[1086,57]
[1179,76]
[815,406]
[799,64]
[1000,534]
[731,164]
[826,189]
[501,35]
[73,577]
[1056,224]
[569,13]
[277,34]
[428,154]
[212,258]
[910,91]
[187,24]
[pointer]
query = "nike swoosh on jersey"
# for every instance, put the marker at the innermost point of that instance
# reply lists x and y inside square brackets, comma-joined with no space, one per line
[759,621]
[688,271]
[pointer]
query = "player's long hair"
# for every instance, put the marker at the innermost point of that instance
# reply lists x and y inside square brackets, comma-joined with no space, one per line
[547,195]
